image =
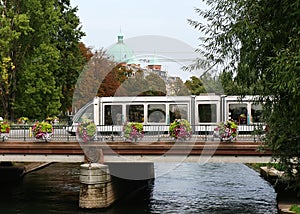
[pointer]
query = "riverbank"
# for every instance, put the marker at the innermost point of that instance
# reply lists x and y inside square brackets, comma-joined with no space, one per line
[30,167]
[12,172]
[285,198]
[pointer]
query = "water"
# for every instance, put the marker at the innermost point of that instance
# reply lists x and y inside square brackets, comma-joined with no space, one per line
[185,188]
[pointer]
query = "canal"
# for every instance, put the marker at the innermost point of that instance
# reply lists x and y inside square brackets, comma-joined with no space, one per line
[182,188]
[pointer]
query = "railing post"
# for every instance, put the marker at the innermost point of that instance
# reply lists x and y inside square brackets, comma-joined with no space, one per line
[158,133]
[206,133]
[112,132]
[24,132]
[68,136]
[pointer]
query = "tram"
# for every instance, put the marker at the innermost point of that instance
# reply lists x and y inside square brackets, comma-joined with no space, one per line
[204,110]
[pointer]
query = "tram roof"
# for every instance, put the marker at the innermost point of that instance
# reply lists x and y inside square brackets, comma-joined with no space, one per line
[146,99]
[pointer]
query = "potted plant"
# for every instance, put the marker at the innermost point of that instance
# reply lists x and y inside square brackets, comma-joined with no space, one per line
[4,130]
[226,131]
[4,127]
[86,131]
[133,131]
[180,129]
[53,120]
[42,130]
[23,120]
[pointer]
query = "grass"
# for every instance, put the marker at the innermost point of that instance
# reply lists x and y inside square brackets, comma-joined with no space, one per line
[295,208]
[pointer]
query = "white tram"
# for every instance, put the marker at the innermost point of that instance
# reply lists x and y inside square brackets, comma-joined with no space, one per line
[110,113]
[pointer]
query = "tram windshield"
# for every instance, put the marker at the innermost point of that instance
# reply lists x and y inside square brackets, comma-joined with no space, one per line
[207,113]
[156,113]
[86,114]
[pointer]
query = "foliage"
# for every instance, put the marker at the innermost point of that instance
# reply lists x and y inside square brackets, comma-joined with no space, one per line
[195,85]
[257,45]
[39,51]
[86,131]
[94,74]
[71,58]
[178,88]
[113,80]
[140,84]
[52,119]
[180,129]
[41,127]
[155,86]
[4,127]
[295,208]
[133,130]
[23,120]
[226,131]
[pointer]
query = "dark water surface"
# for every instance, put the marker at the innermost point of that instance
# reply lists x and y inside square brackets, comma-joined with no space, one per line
[183,188]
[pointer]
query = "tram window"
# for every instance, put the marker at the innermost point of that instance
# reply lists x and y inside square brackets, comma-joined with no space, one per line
[113,115]
[156,113]
[256,113]
[178,112]
[135,113]
[238,113]
[207,113]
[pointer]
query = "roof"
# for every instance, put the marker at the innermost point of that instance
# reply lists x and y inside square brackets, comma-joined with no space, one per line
[120,52]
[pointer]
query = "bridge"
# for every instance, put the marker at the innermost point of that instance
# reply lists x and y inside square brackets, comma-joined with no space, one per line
[73,151]
[63,147]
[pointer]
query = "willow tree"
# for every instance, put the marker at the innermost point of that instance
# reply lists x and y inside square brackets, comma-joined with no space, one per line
[257,43]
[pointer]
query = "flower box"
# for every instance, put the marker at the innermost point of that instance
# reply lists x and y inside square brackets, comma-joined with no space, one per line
[180,129]
[86,131]
[4,127]
[226,131]
[40,128]
[133,131]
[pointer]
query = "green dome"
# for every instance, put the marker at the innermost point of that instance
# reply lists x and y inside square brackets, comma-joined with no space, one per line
[120,52]
[154,61]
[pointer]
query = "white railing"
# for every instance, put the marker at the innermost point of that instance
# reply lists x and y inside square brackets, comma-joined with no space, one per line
[152,133]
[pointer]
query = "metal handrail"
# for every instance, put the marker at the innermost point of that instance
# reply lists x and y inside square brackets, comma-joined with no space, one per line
[23,132]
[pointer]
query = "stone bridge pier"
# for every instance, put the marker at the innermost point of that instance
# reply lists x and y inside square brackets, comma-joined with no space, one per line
[103,184]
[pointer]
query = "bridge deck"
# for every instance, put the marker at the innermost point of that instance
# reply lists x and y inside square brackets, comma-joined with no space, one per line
[74,151]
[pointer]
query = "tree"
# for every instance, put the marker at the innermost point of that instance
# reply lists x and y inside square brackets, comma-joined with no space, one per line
[155,86]
[257,43]
[178,88]
[195,85]
[91,78]
[72,58]
[13,24]
[113,80]
[42,37]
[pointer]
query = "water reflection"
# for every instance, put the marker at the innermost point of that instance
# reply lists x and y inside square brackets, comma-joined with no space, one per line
[187,188]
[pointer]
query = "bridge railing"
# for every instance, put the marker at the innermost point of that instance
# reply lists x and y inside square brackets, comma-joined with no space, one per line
[153,133]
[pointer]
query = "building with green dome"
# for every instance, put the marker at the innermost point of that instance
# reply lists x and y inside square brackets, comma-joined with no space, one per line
[120,52]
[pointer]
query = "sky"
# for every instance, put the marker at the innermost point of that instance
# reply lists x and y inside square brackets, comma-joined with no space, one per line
[103,20]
